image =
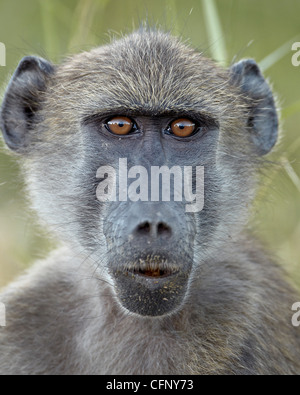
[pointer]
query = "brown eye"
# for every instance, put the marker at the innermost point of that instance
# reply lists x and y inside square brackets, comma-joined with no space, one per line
[120,125]
[183,127]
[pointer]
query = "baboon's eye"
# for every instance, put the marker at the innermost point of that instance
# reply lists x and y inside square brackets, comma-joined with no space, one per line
[120,125]
[182,127]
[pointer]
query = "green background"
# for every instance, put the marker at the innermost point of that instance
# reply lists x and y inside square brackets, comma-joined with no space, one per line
[246,28]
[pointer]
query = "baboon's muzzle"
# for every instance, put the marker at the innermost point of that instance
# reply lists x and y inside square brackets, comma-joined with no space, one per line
[150,258]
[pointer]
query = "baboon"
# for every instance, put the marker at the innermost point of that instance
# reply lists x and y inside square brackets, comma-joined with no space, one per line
[144,287]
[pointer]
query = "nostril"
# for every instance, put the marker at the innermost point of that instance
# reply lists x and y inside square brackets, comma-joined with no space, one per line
[163,229]
[144,228]
[155,230]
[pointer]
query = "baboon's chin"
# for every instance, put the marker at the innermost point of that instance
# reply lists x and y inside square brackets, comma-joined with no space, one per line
[152,291]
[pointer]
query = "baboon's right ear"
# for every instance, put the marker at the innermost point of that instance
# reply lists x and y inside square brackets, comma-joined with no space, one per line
[22,100]
[263,119]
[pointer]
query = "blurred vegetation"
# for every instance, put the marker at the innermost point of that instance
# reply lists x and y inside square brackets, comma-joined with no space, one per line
[226,30]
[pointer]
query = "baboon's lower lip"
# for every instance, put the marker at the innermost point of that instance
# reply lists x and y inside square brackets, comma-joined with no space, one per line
[153,289]
[154,273]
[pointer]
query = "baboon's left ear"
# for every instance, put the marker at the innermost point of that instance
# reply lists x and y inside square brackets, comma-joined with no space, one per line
[22,100]
[263,119]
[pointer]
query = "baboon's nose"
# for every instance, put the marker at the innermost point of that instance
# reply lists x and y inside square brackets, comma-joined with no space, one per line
[154,229]
[148,224]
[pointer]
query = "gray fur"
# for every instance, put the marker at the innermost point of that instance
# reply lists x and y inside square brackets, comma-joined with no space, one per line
[67,315]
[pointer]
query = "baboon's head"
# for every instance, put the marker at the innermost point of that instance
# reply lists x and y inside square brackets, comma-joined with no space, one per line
[146,100]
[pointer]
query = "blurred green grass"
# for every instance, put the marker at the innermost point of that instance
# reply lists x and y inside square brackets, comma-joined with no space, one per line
[225,30]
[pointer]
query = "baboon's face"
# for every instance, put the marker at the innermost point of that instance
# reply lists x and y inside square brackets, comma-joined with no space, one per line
[144,101]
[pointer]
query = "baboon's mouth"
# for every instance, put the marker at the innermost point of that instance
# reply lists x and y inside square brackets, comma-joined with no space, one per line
[154,272]
[151,287]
